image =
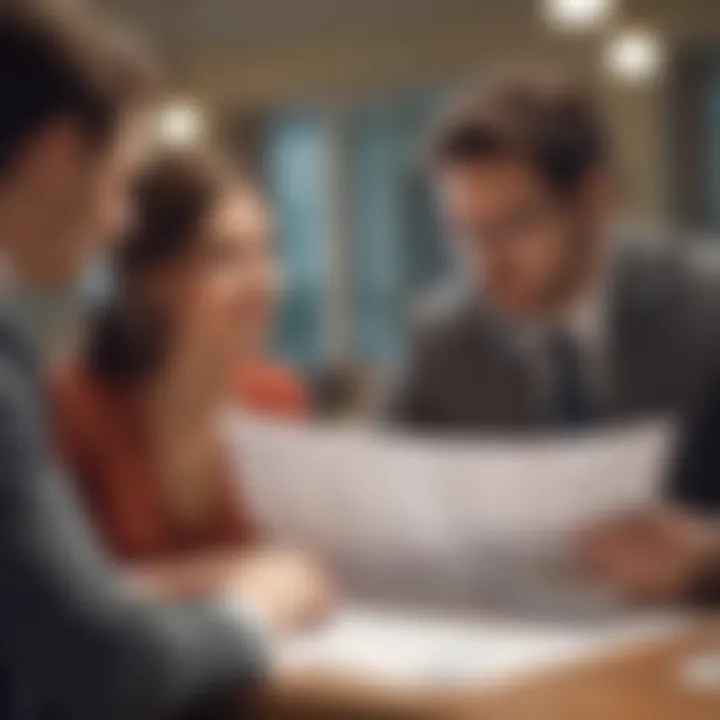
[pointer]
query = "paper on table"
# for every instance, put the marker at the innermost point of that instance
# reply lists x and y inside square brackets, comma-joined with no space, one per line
[392,647]
[460,518]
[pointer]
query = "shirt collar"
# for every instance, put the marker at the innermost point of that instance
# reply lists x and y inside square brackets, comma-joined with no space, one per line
[585,318]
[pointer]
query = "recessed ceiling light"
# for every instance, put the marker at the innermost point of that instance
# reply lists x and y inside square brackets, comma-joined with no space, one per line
[578,15]
[180,123]
[635,55]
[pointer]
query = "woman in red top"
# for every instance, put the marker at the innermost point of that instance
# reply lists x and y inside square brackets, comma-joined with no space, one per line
[137,415]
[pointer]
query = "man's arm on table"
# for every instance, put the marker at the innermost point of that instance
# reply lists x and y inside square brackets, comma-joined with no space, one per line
[695,481]
[695,478]
[84,646]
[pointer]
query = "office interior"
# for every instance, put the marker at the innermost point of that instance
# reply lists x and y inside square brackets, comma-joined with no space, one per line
[328,103]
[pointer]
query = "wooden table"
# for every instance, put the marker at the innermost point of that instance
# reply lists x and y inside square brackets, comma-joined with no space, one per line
[642,684]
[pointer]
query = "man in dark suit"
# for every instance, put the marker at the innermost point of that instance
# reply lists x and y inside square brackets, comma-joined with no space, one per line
[74,642]
[562,323]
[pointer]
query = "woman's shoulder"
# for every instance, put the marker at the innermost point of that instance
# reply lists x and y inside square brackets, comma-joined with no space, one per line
[271,387]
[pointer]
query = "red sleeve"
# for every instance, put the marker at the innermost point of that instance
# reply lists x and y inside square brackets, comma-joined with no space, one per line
[78,428]
[70,423]
[274,391]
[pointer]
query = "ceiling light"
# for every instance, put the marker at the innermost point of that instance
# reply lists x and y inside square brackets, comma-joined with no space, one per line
[635,55]
[180,123]
[578,15]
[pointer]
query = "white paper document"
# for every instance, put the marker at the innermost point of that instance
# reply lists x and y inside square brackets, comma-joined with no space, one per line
[486,519]
[386,646]
[487,524]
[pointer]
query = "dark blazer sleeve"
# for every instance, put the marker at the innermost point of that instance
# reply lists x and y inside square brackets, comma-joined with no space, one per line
[695,479]
[75,641]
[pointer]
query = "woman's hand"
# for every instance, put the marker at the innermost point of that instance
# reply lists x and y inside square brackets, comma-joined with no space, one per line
[287,590]
[187,578]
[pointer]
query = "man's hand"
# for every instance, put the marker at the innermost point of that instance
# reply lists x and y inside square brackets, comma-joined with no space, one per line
[660,555]
[287,590]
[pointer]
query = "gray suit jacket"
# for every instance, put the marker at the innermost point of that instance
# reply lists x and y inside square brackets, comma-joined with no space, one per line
[73,644]
[467,371]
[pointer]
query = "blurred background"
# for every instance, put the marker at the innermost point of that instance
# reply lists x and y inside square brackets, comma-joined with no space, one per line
[326,100]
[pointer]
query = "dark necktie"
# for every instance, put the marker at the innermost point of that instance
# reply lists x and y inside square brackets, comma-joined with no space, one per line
[572,405]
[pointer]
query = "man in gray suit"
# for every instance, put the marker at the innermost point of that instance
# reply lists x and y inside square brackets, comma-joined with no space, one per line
[561,323]
[74,641]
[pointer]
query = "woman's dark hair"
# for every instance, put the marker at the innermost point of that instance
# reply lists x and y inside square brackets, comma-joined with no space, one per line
[172,198]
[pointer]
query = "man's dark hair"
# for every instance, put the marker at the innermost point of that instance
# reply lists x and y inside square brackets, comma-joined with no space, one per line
[57,60]
[542,117]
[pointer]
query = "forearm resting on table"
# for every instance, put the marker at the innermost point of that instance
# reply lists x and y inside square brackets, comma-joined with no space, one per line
[190,577]
[276,589]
